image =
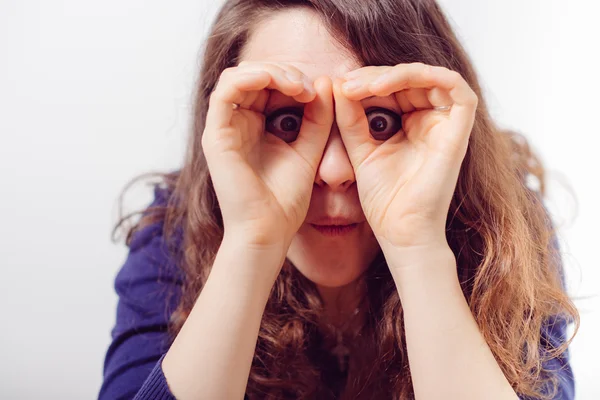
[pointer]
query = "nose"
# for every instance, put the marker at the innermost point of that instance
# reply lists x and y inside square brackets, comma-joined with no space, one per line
[335,169]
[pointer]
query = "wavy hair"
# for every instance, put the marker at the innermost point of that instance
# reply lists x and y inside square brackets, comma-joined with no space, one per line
[508,264]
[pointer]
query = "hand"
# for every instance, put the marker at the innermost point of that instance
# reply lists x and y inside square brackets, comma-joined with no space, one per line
[262,182]
[406,182]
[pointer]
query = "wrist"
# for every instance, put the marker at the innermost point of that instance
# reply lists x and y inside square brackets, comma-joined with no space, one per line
[257,261]
[257,236]
[407,257]
[414,268]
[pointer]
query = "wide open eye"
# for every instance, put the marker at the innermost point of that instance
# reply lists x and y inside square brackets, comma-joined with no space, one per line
[383,123]
[285,123]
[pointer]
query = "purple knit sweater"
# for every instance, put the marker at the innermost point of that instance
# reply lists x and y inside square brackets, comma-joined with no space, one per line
[149,287]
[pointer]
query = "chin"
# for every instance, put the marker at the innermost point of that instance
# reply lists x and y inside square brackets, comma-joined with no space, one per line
[332,262]
[326,276]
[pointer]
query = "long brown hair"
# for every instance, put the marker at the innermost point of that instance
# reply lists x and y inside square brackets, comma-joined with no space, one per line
[497,227]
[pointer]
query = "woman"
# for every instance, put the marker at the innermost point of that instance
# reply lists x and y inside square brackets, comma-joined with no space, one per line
[349,223]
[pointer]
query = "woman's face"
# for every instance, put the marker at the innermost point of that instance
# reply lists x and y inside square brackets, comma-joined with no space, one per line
[329,260]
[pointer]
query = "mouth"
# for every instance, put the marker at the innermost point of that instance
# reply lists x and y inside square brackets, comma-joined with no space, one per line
[335,230]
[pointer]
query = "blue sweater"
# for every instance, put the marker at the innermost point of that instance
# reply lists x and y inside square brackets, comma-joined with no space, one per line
[149,287]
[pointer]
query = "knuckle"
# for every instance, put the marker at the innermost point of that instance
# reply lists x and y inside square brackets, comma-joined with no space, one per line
[474,98]
[204,143]
[456,76]
[293,69]
[258,67]
[214,97]
[226,79]
[227,72]
[270,68]
[427,70]
[225,76]
[418,66]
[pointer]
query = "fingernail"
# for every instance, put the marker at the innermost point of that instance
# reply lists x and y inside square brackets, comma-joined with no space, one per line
[292,76]
[351,85]
[309,86]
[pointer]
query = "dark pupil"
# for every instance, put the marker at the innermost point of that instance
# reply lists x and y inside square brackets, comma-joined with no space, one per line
[379,123]
[289,124]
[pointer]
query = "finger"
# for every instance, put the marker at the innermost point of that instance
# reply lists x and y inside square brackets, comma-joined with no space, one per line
[365,71]
[387,80]
[232,87]
[405,105]
[438,97]
[418,75]
[285,71]
[409,99]
[452,147]
[316,124]
[417,98]
[286,66]
[235,86]
[353,125]
[310,92]
[414,75]
[256,101]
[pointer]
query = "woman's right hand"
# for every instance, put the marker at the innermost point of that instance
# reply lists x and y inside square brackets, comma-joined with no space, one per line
[263,182]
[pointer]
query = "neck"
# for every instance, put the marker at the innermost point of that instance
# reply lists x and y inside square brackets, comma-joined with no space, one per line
[340,322]
[340,303]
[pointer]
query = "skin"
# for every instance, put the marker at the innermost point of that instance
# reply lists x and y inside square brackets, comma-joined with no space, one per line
[332,263]
[269,189]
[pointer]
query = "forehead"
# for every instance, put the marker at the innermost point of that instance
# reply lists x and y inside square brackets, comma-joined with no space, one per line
[298,37]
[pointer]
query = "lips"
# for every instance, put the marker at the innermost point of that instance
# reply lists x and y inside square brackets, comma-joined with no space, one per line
[330,221]
[335,226]
[335,230]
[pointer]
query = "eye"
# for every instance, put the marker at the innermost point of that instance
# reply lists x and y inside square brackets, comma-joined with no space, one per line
[285,123]
[383,123]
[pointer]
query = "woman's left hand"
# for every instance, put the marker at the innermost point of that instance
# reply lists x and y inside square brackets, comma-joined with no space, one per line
[406,182]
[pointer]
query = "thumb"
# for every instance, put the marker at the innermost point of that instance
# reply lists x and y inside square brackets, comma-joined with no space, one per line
[353,125]
[316,124]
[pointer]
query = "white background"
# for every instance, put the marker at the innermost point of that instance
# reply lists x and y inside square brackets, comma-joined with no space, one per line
[95,93]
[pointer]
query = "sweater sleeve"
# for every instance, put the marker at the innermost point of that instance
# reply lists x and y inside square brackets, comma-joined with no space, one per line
[148,287]
[553,335]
